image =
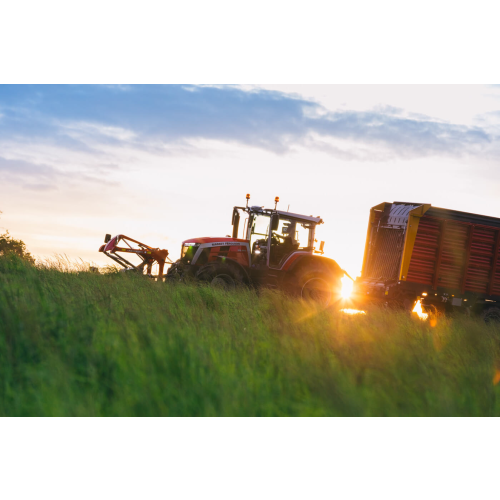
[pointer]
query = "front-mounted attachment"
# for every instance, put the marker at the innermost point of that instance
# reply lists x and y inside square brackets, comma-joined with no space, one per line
[148,255]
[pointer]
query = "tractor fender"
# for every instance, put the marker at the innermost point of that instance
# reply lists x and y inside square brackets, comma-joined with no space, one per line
[307,260]
[231,262]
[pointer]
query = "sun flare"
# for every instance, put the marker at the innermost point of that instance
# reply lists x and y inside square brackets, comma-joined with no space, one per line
[346,287]
[352,311]
[419,311]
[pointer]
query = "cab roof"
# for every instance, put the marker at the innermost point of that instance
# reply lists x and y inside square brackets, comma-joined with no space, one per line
[269,211]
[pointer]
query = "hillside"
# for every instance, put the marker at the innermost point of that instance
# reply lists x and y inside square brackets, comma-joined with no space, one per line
[86,344]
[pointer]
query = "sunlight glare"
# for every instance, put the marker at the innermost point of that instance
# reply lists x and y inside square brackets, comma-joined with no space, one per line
[352,311]
[418,309]
[346,287]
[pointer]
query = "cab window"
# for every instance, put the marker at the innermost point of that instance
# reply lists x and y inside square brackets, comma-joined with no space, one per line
[289,237]
[259,232]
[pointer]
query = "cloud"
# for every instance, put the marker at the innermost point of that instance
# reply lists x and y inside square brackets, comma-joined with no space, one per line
[404,137]
[152,117]
[82,130]
[22,171]
[43,177]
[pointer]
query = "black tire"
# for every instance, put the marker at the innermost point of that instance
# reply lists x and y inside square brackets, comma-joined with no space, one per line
[409,303]
[175,272]
[316,283]
[219,275]
[491,315]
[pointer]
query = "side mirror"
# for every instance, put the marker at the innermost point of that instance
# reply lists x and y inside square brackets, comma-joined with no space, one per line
[275,222]
[107,238]
[322,246]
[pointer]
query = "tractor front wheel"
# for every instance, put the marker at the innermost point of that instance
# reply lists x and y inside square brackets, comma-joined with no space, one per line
[219,275]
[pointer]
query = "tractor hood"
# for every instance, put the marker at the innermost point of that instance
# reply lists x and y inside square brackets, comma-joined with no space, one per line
[210,249]
[210,239]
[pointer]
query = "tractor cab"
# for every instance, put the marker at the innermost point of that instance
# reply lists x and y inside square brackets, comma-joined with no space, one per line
[274,235]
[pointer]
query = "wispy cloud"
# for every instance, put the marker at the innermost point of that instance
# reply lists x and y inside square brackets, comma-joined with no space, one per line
[144,117]
[44,177]
[30,175]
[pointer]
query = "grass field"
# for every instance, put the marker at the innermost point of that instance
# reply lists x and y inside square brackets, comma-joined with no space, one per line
[85,344]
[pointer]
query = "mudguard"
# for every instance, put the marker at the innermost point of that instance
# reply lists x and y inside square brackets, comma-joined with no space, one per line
[306,260]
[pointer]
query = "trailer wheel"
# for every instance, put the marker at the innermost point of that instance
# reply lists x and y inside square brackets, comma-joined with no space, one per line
[220,275]
[491,315]
[409,303]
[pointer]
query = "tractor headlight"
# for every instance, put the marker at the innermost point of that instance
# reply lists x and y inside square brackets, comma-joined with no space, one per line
[188,251]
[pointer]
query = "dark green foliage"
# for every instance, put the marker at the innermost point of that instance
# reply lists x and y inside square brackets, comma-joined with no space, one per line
[17,247]
[88,344]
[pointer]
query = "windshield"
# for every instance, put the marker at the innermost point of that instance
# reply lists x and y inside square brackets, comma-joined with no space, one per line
[290,236]
[297,232]
[260,229]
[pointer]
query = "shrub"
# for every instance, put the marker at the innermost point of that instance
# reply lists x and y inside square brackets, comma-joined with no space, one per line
[17,247]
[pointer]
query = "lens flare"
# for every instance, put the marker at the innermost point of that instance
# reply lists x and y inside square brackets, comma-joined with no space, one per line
[352,311]
[419,311]
[346,287]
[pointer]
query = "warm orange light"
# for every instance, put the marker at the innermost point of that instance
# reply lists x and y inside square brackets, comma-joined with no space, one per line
[346,287]
[352,311]
[419,311]
[496,378]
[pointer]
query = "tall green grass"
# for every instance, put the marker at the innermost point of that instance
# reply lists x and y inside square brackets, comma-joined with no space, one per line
[86,344]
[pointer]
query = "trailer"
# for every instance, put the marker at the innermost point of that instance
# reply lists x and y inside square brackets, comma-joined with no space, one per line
[449,260]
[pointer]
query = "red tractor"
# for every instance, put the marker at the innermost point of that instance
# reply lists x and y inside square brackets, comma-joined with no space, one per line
[271,248]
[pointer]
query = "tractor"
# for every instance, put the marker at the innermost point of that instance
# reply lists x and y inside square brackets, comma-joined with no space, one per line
[268,248]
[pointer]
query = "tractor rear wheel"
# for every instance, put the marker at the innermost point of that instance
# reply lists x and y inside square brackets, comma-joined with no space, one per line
[316,283]
[317,289]
[219,275]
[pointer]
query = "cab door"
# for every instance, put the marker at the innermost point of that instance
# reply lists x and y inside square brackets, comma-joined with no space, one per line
[259,236]
[287,235]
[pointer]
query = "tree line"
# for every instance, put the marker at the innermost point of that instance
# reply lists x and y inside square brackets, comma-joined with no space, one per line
[9,245]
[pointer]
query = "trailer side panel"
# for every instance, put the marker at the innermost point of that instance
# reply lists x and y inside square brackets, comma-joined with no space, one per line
[457,255]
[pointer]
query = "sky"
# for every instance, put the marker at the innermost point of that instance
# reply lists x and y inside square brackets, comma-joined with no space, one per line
[162,164]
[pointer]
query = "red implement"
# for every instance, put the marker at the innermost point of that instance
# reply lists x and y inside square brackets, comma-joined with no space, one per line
[147,254]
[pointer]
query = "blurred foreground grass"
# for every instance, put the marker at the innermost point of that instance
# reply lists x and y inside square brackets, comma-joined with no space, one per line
[85,344]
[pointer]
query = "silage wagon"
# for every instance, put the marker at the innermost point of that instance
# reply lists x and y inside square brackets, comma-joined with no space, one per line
[448,259]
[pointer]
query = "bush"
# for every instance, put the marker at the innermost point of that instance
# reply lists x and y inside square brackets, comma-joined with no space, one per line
[10,245]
